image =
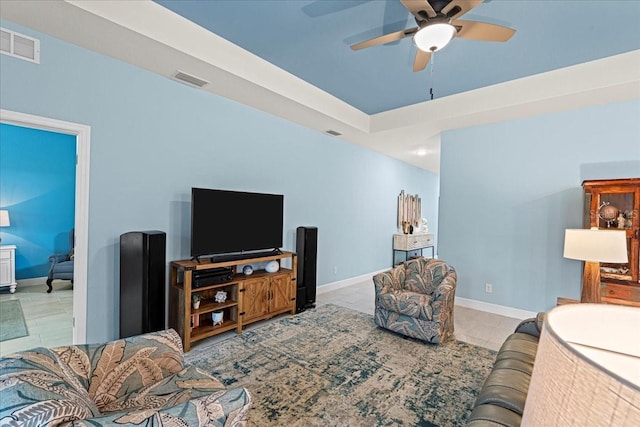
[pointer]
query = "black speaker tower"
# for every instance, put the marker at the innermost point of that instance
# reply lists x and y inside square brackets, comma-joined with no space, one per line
[307,251]
[142,282]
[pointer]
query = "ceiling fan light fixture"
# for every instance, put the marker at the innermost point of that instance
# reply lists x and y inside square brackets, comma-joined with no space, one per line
[434,37]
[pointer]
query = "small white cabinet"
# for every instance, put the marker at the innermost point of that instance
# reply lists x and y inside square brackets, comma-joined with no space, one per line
[8,267]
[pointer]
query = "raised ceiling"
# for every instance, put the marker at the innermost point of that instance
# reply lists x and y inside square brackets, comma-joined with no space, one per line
[311,40]
[292,59]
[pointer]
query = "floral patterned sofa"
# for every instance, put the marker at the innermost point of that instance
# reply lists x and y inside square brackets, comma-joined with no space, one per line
[139,381]
[416,299]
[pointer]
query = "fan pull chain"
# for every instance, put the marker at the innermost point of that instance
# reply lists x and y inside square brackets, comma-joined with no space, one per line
[433,56]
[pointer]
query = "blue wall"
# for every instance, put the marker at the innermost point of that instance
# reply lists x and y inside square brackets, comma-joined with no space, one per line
[153,139]
[37,187]
[509,190]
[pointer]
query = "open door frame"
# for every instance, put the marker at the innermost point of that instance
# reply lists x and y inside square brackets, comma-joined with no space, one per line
[83,139]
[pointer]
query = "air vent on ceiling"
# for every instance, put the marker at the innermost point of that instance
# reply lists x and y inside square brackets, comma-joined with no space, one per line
[189,79]
[19,46]
[333,132]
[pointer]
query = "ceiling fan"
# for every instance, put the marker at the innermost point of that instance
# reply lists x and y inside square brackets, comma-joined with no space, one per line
[438,23]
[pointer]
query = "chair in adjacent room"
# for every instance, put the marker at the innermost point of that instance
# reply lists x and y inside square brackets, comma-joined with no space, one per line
[62,264]
[416,299]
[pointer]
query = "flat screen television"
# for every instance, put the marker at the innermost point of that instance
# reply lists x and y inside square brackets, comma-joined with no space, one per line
[224,222]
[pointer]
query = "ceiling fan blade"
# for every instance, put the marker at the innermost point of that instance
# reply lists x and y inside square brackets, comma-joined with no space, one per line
[416,6]
[483,31]
[387,38]
[421,61]
[464,5]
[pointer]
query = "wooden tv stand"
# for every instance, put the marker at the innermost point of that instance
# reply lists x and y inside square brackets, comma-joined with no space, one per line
[258,296]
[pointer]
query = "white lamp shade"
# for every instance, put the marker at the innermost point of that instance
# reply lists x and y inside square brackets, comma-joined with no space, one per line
[587,368]
[596,245]
[434,37]
[4,218]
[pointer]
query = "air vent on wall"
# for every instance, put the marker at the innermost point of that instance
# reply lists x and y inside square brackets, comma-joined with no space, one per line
[189,79]
[19,46]
[333,132]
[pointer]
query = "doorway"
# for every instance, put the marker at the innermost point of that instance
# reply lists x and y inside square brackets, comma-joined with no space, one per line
[82,134]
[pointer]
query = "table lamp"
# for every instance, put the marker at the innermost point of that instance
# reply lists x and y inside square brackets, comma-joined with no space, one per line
[587,368]
[593,247]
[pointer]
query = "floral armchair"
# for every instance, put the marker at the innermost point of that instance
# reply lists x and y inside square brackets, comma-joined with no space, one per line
[416,299]
[135,381]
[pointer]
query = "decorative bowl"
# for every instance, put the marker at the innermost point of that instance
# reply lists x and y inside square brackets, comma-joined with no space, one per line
[272,267]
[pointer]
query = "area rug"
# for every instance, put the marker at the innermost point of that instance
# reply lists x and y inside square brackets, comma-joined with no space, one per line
[12,324]
[332,366]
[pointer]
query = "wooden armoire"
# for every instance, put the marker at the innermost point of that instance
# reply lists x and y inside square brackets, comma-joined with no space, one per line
[615,204]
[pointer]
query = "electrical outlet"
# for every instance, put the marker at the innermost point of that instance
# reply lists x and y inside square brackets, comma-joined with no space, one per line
[488,288]
[335,270]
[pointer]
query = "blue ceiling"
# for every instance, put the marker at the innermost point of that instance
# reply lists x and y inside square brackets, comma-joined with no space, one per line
[311,39]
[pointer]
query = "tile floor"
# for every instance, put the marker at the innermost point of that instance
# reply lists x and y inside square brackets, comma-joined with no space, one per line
[48,316]
[473,326]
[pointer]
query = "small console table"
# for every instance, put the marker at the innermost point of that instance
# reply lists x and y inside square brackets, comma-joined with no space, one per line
[8,267]
[411,242]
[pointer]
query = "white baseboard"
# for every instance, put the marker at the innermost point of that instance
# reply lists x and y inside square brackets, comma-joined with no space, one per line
[502,310]
[347,282]
[32,282]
